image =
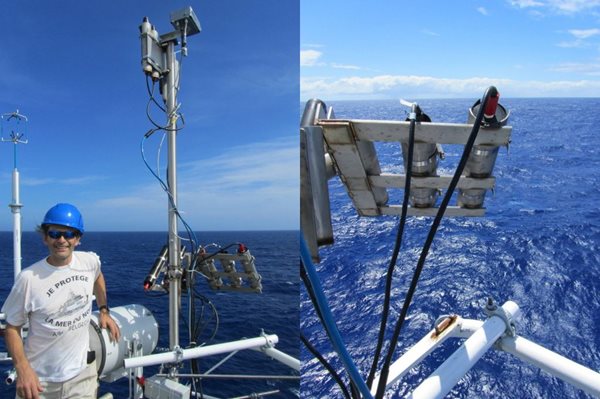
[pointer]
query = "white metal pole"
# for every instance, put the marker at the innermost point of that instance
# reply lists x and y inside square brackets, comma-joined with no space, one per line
[174,269]
[443,379]
[202,351]
[553,363]
[417,353]
[16,210]
[282,357]
[468,327]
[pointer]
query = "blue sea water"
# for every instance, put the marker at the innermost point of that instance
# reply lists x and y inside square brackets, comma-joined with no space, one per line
[126,259]
[538,245]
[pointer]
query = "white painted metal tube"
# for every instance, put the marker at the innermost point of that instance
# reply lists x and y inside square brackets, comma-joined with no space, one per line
[553,363]
[11,376]
[443,379]
[416,354]
[282,357]
[16,210]
[468,327]
[203,351]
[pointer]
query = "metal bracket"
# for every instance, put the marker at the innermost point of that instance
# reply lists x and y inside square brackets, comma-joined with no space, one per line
[174,272]
[491,309]
[442,323]
[268,344]
[178,353]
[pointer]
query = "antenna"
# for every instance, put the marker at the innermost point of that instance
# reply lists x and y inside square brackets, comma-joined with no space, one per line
[16,137]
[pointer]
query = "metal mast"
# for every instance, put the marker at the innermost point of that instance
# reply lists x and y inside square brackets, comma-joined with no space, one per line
[159,63]
[15,206]
[174,258]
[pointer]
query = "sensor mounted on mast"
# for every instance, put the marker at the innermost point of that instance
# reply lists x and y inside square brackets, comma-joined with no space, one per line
[154,62]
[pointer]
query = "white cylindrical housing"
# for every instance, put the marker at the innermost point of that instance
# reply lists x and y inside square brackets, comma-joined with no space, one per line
[16,210]
[553,363]
[282,357]
[15,187]
[202,351]
[16,243]
[137,325]
[443,379]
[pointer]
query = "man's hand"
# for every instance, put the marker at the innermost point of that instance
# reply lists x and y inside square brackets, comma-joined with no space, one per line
[113,329]
[28,384]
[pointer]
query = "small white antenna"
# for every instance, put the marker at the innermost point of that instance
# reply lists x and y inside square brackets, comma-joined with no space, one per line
[16,137]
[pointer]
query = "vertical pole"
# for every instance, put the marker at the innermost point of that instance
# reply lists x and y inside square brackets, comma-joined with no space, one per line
[16,210]
[174,260]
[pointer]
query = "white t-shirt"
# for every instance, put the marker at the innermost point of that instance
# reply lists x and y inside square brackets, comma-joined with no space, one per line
[57,301]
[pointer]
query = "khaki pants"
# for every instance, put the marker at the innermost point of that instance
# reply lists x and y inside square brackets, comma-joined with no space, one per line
[83,386]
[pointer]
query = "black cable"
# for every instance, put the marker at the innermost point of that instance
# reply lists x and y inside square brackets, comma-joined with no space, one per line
[191,331]
[151,100]
[415,113]
[491,91]
[198,328]
[311,294]
[165,186]
[325,364]
[355,392]
[151,93]
[221,250]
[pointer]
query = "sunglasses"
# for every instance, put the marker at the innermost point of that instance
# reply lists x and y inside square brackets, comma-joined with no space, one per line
[69,234]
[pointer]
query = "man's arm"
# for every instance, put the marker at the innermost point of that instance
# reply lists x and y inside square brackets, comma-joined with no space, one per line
[105,320]
[28,384]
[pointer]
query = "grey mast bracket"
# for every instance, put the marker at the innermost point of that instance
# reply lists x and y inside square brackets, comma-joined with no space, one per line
[350,142]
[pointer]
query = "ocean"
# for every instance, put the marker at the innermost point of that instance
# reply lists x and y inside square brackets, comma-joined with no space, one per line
[126,259]
[538,245]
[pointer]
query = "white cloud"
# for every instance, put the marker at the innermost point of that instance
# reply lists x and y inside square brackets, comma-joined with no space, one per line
[391,86]
[482,11]
[272,164]
[429,32]
[580,36]
[71,181]
[526,3]
[573,6]
[559,6]
[309,57]
[312,45]
[591,68]
[342,66]
[584,33]
[252,186]
[571,44]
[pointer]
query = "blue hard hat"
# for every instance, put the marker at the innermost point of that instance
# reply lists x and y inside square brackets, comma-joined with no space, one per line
[64,215]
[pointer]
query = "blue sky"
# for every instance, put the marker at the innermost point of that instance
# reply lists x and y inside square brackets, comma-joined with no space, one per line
[73,68]
[449,49]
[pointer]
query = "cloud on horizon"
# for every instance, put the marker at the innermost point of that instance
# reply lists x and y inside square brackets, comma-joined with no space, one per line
[414,86]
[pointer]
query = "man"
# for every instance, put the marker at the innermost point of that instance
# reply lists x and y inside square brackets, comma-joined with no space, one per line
[54,296]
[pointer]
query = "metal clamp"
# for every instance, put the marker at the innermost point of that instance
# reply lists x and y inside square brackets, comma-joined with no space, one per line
[268,344]
[491,309]
[175,272]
